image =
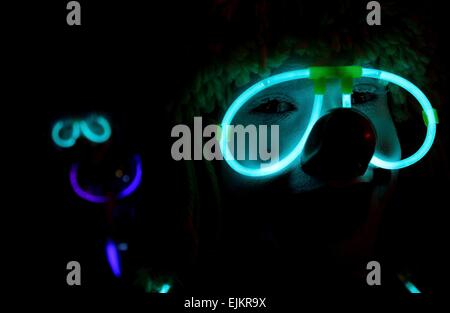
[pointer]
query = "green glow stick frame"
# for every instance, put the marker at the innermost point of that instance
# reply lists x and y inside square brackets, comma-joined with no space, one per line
[320,75]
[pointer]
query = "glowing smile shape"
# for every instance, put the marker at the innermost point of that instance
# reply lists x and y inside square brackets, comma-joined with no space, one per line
[86,195]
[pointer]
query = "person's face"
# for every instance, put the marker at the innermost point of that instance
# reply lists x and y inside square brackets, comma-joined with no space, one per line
[289,106]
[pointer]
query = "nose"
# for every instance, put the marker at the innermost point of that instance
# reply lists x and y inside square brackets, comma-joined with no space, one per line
[339,146]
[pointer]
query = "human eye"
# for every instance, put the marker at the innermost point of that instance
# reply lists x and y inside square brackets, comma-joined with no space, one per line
[275,105]
[364,93]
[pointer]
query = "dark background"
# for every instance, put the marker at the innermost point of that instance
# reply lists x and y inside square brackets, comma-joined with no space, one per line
[127,60]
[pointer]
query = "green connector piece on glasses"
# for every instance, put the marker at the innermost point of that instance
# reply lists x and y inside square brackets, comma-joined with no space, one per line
[320,74]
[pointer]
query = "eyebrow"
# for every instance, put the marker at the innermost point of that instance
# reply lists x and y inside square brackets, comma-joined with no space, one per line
[365,80]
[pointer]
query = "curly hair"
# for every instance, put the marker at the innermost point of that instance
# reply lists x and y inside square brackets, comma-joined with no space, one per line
[338,33]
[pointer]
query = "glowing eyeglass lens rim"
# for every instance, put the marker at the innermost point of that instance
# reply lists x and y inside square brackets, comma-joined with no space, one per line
[427,108]
[69,142]
[247,95]
[92,136]
[318,101]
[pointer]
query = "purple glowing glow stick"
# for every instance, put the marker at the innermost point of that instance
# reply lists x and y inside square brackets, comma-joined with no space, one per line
[136,181]
[113,257]
[102,199]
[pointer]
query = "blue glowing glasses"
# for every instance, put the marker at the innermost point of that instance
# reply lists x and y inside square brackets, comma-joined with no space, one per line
[319,76]
[95,128]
